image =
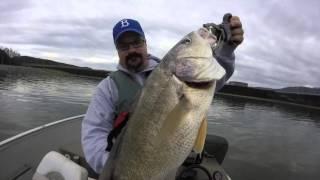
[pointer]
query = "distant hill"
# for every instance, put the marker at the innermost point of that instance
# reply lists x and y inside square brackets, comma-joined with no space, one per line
[31,61]
[295,90]
[49,64]
[297,95]
[300,90]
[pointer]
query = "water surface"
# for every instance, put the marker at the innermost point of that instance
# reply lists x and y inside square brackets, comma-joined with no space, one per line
[266,140]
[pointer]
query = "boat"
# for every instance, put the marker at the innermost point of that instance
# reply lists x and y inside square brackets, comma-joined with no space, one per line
[56,146]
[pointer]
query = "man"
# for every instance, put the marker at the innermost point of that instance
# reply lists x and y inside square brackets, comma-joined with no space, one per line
[115,93]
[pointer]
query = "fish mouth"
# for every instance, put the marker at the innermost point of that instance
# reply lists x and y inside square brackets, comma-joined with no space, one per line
[200,85]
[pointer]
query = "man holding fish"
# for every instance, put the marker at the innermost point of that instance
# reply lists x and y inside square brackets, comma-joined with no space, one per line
[166,100]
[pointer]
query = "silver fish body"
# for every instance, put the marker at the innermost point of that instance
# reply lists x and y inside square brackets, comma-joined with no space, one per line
[164,126]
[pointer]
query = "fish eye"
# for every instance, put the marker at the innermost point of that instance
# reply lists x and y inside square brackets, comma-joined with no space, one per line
[186,41]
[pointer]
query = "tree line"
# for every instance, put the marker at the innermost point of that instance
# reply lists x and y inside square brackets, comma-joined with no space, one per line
[6,54]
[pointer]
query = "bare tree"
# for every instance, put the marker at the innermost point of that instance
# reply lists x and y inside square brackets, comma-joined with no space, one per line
[10,52]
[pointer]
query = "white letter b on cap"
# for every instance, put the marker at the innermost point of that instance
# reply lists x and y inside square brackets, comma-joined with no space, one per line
[124,23]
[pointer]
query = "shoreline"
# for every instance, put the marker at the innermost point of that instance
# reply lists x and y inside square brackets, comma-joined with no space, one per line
[298,96]
[28,61]
[74,70]
[268,100]
[276,95]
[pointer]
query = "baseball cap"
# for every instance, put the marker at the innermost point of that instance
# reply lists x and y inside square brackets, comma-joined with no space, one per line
[126,25]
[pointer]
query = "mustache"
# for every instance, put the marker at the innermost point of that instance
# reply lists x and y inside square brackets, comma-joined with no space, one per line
[133,55]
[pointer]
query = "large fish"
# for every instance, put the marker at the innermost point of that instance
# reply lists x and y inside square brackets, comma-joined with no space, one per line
[170,116]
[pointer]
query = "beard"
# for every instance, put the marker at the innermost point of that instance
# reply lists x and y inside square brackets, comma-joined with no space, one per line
[134,62]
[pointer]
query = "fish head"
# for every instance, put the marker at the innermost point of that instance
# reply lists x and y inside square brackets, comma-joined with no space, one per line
[191,59]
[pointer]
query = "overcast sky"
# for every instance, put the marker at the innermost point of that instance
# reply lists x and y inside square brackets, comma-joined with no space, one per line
[280,48]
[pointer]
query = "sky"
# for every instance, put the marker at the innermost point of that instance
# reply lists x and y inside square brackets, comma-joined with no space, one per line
[280,48]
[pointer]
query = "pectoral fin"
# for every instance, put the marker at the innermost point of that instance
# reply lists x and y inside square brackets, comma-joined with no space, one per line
[199,143]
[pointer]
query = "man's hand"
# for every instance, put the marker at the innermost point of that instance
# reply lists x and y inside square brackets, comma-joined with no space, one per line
[236,30]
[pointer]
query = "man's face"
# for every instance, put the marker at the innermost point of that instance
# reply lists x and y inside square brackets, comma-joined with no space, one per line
[132,51]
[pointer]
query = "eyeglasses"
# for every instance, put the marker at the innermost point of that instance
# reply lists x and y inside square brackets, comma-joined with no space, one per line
[138,43]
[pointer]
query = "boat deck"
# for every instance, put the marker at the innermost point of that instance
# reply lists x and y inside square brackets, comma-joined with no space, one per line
[21,154]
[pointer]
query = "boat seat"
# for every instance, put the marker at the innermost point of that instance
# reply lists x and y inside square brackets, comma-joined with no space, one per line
[55,166]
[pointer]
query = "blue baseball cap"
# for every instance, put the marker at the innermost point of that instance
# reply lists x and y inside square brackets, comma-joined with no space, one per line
[126,25]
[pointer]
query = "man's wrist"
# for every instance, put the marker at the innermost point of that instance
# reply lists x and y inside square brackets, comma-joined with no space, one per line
[225,50]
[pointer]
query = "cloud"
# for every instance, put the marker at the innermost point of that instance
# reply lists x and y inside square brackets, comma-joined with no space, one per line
[280,47]
[10,10]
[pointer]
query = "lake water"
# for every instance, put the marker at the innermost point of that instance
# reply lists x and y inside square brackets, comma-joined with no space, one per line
[266,140]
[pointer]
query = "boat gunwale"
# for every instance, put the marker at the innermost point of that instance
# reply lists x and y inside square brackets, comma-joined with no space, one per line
[36,129]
